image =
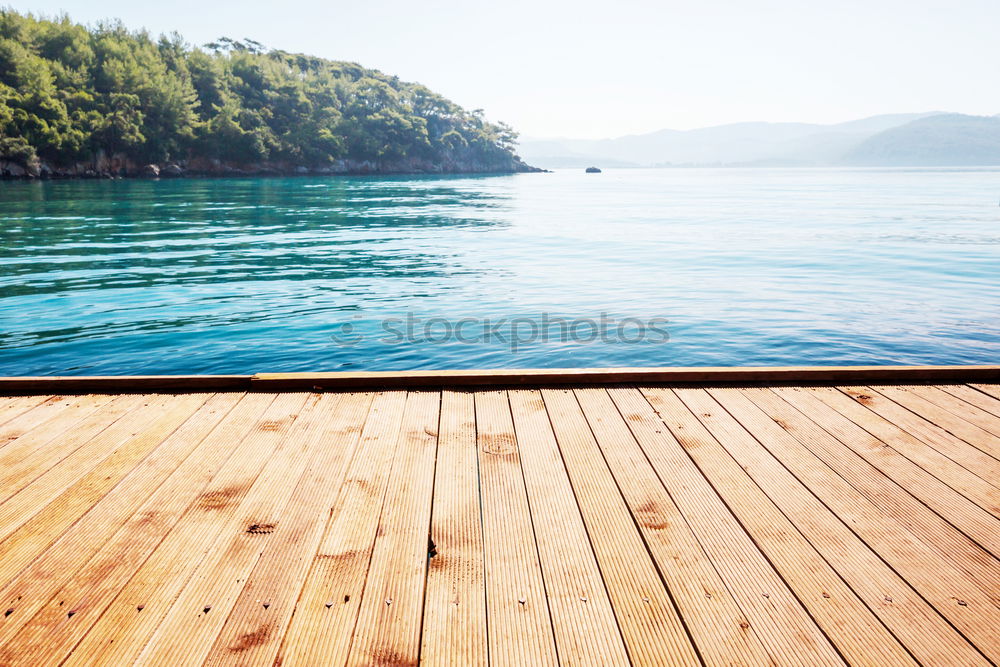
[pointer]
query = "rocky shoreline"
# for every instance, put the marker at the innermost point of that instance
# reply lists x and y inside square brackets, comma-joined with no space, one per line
[120,167]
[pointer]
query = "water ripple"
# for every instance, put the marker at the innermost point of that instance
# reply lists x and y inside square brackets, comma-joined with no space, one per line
[749,267]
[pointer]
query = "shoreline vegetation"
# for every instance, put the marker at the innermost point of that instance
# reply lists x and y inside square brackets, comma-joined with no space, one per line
[108,102]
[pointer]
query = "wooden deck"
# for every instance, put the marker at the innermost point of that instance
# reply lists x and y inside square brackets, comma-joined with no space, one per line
[598,524]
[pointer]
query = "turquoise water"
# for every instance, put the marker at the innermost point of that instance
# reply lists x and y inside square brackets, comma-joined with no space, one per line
[714,266]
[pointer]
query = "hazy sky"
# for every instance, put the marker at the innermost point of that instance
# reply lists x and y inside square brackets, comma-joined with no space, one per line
[592,69]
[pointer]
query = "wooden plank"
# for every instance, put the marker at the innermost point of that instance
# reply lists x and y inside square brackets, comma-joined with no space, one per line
[583,620]
[945,587]
[602,501]
[35,454]
[81,452]
[120,384]
[988,389]
[919,425]
[43,423]
[494,377]
[653,629]
[18,405]
[323,624]
[704,424]
[38,414]
[30,590]
[944,396]
[882,492]
[56,628]
[721,632]
[217,470]
[758,552]
[960,512]
[40,514]
[388,629]
[978,428]
[455,601]
[257,624]
[802,375]
[961,479]
[268,476]
[579,376]
[973,396]
[519,627]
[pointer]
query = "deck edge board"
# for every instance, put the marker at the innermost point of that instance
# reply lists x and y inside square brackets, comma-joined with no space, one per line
[338,381]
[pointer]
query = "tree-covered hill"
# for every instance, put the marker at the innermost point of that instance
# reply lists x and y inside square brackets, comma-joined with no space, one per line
[76,100]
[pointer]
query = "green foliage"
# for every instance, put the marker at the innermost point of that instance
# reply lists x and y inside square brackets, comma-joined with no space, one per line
[70,94]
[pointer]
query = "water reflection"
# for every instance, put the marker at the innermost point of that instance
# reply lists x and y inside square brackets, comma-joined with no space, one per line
[749,266]
[138,234]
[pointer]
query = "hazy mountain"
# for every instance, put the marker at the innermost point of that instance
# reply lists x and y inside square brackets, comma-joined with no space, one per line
[804,144]
[943,140]
[556,155]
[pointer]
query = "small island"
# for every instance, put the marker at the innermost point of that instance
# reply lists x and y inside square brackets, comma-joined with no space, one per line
[592,170]
[110,102]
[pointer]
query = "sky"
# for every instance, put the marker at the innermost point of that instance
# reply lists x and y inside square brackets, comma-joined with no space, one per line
[595,69]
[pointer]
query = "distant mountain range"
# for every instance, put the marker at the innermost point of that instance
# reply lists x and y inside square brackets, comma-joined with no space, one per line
[916,139]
